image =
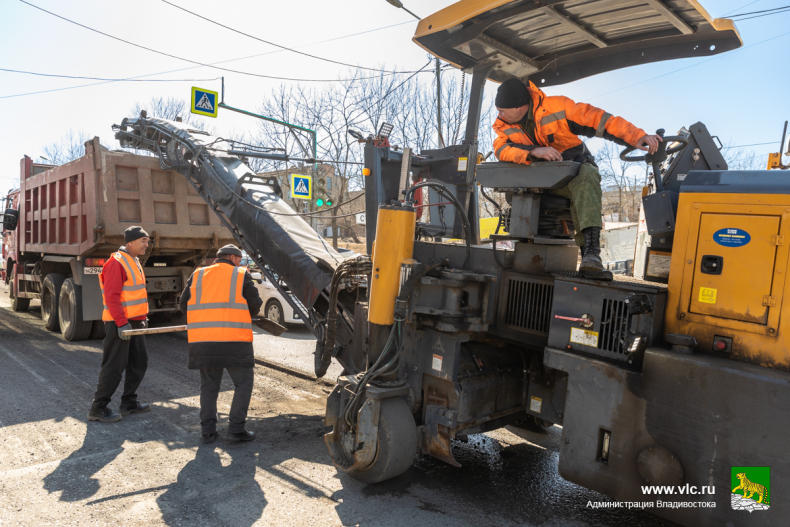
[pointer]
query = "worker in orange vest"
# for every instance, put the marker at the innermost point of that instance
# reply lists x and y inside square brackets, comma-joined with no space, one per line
[532,126]
[220,301]
[123,288]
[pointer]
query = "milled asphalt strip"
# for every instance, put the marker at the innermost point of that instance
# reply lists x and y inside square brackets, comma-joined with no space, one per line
[38,377]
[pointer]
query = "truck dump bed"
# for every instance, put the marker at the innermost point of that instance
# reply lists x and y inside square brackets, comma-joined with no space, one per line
[83,207]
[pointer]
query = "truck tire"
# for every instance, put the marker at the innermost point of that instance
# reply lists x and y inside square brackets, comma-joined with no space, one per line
[50,297]
[98,331]
[72,326]
[17,304]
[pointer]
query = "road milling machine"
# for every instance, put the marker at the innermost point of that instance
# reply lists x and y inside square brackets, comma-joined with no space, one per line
[667,380]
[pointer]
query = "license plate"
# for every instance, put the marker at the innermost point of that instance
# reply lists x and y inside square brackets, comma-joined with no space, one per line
[91,270]
[584,337]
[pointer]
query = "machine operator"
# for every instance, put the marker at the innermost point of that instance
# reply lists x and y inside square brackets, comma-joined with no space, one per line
[533,126]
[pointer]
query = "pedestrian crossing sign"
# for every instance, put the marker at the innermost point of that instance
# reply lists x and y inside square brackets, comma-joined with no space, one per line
[301,187]
[204,102]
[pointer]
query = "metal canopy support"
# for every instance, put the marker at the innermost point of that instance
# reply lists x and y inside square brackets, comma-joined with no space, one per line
[479,76]
[576,28]
[671,16]
[508,51]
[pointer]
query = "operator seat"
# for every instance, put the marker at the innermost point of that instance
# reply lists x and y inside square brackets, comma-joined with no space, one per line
[533,214]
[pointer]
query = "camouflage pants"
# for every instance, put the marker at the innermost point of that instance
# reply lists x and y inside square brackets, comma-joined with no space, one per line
[585,194]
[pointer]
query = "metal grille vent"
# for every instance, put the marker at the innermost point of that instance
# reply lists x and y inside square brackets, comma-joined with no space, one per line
[615,322]
[528,305]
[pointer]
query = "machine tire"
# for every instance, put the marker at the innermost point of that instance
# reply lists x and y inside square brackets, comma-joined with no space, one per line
[397,443]
[50,297]
[72,326]
[17,304]
[98,331]
[274,311]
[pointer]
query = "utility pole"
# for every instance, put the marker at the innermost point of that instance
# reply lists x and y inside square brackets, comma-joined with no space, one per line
[439,140]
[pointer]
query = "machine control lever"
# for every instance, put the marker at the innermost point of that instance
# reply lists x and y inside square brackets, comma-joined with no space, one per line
[585,320]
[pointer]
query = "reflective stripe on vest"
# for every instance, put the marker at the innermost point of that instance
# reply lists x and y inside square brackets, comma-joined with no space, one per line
[217,310]
[134,297]
[602,125]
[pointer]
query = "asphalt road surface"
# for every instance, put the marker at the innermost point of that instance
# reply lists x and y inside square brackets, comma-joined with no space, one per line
[151,469]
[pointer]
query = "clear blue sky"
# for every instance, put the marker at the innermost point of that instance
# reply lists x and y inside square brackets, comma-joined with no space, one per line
[742,96]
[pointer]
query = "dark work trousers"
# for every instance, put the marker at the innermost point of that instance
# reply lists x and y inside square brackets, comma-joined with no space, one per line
[210,379]
[121,356]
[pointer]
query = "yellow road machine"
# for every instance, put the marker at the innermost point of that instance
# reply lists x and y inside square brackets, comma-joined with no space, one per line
[670,380]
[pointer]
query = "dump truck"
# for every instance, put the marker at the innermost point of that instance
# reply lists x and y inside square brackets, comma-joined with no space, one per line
[71,218]
[679,382]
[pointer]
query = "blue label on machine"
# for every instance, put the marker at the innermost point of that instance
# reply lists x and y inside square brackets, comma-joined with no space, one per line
[731,237]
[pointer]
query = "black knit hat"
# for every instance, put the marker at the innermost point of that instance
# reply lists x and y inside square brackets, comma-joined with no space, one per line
[512,94]
[230,250]
[134,233]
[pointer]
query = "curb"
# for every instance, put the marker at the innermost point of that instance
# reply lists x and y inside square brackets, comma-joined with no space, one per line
[294,372]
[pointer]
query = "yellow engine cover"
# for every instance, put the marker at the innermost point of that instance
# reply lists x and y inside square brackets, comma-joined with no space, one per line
[728,275]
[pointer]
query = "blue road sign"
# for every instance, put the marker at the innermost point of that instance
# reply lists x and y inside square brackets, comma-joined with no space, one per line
[204,102]
[301,186]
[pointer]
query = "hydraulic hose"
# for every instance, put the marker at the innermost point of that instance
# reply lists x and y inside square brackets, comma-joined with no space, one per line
[445,193]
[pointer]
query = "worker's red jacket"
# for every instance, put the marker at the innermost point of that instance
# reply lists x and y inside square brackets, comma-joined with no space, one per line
[114,277]
[559,122]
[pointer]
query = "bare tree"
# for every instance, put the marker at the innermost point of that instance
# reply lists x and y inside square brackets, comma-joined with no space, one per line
[621,183]
[68,148]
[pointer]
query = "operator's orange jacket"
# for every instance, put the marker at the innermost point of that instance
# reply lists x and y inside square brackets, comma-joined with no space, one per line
[134,298]
[217,311]
[559,122]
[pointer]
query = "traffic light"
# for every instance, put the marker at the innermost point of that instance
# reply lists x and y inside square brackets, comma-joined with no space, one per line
[320,193]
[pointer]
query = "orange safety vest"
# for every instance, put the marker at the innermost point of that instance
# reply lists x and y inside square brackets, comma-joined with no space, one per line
[134,297]
[217,311]
[551,115]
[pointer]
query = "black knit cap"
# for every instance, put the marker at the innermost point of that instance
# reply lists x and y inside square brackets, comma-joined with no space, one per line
[512,94]
[134,233]
[230,250]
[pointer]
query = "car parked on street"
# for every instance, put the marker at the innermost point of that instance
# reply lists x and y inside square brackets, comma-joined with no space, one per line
[275,307]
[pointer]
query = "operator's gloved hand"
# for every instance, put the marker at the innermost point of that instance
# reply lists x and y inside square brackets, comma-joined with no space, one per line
[144,324]
[122,329]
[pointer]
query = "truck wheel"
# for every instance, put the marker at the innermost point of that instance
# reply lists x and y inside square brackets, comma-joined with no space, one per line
[274,311]
[72,326]
[49,300]
[397,443]
[98,331]
[17,304]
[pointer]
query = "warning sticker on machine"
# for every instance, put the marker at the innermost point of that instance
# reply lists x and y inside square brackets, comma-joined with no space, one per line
[584,337]
[436,363]
[462,162]
[534,404]
[658,264]
[707,295]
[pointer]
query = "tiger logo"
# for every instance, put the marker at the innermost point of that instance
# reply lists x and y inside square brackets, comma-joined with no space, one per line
[750,488]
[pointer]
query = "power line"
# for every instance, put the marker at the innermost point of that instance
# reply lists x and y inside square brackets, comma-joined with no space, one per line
[131,79]
[194,61]
[285,48]
[763,11]
[755,144]
[739,8]
[766,14]
[195,67]
[688,67]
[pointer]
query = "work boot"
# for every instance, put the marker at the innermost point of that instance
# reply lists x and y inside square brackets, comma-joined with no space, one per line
[134,408]
[103,414]
[592,266]
[246,435]
[209,438]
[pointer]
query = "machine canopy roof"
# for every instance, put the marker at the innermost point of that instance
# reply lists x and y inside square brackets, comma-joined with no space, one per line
[556,42]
